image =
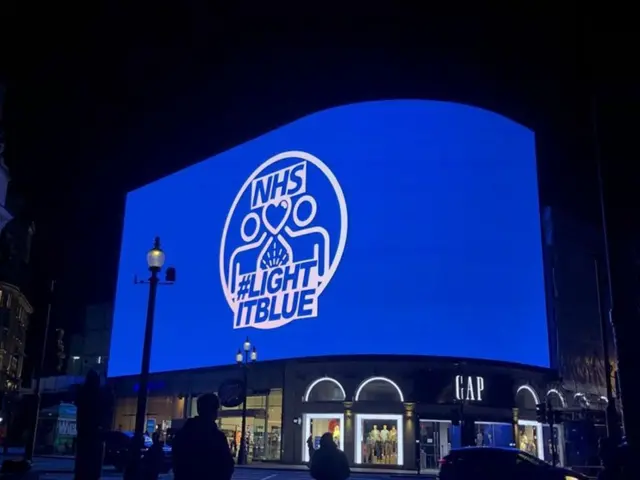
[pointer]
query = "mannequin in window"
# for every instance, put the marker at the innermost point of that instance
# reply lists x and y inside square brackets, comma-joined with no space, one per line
[374,434]
[375,439]
[336,434]
[386,447]
[393,438]
[384,434]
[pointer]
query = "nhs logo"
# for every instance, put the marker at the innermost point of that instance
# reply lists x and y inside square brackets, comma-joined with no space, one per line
[281,257]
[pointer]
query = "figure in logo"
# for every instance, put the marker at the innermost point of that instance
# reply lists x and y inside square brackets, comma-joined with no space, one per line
[244,254]
[316,244]
[286,258]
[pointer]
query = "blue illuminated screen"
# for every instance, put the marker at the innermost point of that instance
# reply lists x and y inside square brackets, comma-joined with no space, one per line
[390,227]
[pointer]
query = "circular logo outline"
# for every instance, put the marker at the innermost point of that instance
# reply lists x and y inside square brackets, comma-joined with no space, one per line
[342,204]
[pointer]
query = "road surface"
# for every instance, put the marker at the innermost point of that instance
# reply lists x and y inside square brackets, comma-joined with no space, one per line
[245,474]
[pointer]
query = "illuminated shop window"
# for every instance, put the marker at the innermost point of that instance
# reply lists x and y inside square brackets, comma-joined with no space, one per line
[314,425]
[531,438]
[379,389]
[379,440]
[325,389]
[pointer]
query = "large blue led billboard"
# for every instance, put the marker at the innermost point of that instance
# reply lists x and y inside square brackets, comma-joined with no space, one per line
[390,227]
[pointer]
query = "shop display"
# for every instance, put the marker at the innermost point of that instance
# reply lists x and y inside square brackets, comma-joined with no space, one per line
[529,439]
[379,443]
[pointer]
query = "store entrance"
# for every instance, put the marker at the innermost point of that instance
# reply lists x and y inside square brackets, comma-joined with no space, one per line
[435,443]
[314,425]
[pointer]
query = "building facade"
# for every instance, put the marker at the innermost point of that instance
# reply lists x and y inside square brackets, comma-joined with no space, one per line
[578,304]
[15,309]
[89,349]
[376,407]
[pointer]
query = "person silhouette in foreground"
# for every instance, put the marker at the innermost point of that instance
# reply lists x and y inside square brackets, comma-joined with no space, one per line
[613,458]
[200,450]
[153,459]
[328,461]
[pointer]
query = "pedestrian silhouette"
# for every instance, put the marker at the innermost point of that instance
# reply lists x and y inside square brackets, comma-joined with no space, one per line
[329,462]
[612,457]
[200,449]
[311,447]
[153,461]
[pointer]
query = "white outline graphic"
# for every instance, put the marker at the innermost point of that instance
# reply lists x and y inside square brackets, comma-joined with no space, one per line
[277,233]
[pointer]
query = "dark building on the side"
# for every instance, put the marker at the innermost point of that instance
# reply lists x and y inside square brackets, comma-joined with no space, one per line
[576,277]
[89,349]
[16,233]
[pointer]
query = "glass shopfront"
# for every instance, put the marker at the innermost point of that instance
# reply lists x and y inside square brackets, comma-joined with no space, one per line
[435,442]
[558,438]
[160,409]
[494,434]
[263,425]
[379,440]
[317,424]
[438,437]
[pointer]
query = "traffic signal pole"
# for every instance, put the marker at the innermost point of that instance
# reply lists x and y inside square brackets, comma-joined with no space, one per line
[554,440]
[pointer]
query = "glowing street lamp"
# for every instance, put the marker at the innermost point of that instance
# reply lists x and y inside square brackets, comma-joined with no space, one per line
[155,262]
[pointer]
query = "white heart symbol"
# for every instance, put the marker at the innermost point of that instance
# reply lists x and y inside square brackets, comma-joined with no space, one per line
[279,212]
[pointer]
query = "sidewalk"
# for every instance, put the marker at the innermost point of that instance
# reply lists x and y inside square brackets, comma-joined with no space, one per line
[67,466]
[387,471]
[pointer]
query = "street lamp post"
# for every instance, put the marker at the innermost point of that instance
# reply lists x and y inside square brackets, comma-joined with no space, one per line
[155,261]
[246,355]
[31,445]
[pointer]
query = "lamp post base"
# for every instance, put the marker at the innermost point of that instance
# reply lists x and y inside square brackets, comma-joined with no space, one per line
[242,454]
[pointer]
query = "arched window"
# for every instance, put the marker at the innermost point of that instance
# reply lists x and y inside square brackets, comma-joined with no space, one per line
[581,400]
[556,399]
[526,398]
[325,389]
[379,389]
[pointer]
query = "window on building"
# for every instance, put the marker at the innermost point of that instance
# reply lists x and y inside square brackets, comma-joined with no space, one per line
[325,389]
[263,425]
[161,410]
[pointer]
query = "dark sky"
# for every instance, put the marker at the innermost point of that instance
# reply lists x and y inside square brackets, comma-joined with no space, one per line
[106,98]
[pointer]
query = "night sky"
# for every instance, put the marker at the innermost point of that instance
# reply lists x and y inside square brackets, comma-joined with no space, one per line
[105,99]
